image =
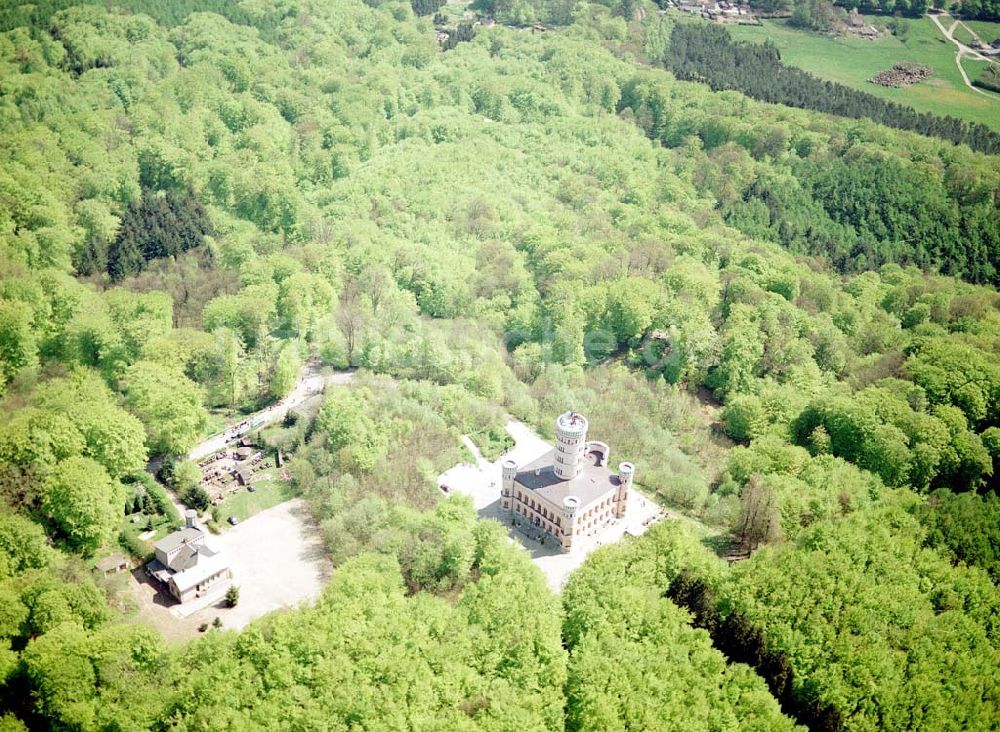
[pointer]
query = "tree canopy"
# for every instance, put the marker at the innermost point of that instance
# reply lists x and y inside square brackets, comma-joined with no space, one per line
[775,296]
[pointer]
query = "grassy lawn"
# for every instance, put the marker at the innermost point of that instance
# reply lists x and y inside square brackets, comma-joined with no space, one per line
[454,10]
[962,34]
[162,525]
[852,61]
[243,505]
[974,67]
[217,421]
[986,30]
[221,417]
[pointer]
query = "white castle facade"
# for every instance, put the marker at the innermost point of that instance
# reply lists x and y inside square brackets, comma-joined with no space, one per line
[570,491]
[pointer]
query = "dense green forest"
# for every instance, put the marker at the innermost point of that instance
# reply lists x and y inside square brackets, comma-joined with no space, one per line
[986,9]
[787,319]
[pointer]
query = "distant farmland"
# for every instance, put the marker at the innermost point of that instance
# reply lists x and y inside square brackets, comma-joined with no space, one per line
[852,61]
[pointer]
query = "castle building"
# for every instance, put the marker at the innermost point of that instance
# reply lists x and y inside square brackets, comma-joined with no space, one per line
[570,491]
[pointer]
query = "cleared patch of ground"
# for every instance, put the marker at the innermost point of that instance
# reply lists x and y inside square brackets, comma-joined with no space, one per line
[277,560]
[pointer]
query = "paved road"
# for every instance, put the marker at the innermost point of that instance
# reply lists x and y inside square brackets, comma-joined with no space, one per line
[311,382]
[963,50]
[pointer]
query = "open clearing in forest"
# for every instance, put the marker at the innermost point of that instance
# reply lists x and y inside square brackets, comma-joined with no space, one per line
[278,561]
[852,61]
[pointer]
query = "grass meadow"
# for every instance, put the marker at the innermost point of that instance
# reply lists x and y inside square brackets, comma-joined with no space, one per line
[962,33]
[974,67]
[986,30]
[243,505]
[852,61]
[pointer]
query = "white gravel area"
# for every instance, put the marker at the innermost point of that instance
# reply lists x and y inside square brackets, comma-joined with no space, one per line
[278,561]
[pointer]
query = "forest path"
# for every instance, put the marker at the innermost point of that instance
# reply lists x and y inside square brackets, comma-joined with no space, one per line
[311,382]
[962,51]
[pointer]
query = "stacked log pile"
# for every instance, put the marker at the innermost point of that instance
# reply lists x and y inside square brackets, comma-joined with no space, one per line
[901,74]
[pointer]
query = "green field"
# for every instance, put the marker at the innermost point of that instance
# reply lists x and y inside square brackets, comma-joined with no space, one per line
[243,505]
[986,30]
[962,34]
[974,67]
[852,61]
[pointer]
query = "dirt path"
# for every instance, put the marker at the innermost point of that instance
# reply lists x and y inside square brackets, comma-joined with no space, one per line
[962,51]
[311,382]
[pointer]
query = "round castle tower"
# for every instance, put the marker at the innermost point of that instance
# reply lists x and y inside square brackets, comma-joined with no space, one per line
[626,471]
[571,442]
[509,473]
[570,504]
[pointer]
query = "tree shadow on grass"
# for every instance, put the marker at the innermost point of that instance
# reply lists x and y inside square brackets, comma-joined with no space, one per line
[722,545]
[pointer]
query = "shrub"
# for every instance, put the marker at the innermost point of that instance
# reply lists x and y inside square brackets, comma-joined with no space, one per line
[136,548]
[196,498]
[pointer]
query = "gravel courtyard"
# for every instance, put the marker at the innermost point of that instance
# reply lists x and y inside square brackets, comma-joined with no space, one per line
[277,560]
